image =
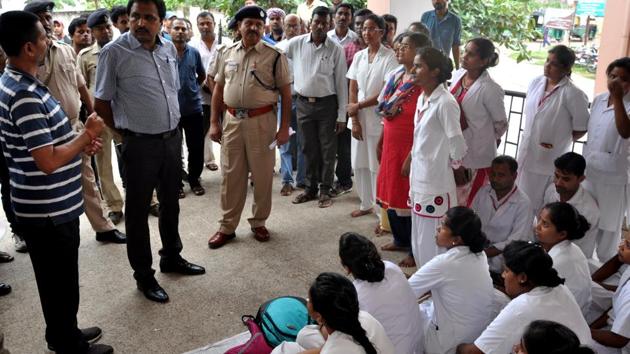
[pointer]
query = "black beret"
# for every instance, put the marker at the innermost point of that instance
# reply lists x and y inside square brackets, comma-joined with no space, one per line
[98,17]
[250,12]
[38,6]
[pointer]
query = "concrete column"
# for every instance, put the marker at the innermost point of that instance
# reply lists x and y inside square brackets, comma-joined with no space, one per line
[407,11]
[615,40]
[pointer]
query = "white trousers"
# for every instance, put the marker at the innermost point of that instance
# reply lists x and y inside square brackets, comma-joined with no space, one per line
[365,182]
[423,231]
[534,186]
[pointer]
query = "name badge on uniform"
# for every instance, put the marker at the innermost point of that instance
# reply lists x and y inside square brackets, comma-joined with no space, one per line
[231,65]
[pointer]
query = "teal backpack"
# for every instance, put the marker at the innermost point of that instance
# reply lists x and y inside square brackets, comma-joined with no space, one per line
[281,319]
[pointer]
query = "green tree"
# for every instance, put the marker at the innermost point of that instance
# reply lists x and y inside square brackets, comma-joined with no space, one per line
[505,22]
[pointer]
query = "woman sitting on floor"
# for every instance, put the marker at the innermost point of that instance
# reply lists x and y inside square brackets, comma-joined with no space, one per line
[548,337]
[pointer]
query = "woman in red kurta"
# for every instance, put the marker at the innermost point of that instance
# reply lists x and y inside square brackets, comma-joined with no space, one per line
[397,105]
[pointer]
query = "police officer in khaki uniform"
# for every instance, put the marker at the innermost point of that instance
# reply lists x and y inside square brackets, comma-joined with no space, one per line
[101,27]
[249,76]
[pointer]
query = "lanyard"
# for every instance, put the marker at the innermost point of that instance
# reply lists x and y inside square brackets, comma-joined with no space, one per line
[542,100]
[505,199]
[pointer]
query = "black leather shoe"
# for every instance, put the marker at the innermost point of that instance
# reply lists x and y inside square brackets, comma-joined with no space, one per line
[99,349]
[153,292]
[155,210]
[90,335]
[5,257]
[113,236]
[4,289]
[181,266]
[115,216]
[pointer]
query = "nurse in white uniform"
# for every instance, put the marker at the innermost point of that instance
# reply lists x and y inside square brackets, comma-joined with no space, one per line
[538,294]
[611,331]
[367,76]
[567,187]
[606,152]
[558,225]
[459,282]
[542,337]
[483,120]
[556,114]
[384,293]
[438,146]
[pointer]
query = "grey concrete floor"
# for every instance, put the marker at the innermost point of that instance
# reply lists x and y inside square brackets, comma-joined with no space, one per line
[203,309]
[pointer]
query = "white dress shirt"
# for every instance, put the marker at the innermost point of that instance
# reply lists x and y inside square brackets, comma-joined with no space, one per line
[392,302]
[349,37]
[586,205]
[563,111]
[305,11]
[341,343]
[319,71]
[620,314]
[606,152]
[437,138]
[208,56]
[484,110]
[541,303]
[572,265]
[462,293]
[503,221]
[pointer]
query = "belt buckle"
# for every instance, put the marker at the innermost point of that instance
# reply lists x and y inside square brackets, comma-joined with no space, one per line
[241,113]
[312,100]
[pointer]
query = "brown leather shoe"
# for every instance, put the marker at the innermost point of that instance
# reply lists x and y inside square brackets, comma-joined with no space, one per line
[261,234]
[219,239]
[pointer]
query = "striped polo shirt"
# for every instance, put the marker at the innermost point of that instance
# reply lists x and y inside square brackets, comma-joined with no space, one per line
[30,118]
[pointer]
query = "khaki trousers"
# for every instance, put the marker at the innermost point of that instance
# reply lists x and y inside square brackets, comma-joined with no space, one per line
[111,194]
[244,149]
[91,196]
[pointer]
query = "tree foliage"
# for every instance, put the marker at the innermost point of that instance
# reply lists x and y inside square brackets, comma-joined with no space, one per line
[505,22]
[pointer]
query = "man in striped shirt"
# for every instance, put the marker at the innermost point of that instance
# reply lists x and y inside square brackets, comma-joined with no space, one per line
[42,153]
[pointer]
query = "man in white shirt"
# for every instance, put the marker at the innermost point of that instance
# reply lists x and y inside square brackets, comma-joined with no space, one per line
[347,38]
[567,187]
[505,212]
[319,70]
[207,45]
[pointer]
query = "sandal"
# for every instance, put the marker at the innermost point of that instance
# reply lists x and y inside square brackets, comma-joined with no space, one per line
[182,195]
[198,190]
[357,213]
[212,166]
[304,197]
[324,201]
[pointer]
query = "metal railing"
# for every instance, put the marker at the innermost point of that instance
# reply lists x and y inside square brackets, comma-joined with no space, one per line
[514,106]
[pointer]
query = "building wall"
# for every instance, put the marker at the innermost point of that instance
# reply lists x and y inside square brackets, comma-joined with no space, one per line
[615,41]
[407,11]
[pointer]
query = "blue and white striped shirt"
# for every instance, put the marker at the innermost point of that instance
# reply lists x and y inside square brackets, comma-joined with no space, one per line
[30,118]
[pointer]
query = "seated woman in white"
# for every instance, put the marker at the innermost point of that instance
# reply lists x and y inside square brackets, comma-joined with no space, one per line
[559,223]
[538,294]
[611,331]
[459,282]
[383,292]
[544,337]
[343,329]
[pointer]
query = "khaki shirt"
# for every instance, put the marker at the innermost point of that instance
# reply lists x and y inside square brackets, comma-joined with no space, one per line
[234,71]
[62,77]
[86,61]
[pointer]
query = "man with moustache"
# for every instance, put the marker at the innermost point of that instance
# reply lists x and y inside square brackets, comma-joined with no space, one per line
[42,153]
[80,34]
[249,76]
[445,28]
[319,69]
[136,94]
[504,210]
[63,78]
[101,27]
[120,19]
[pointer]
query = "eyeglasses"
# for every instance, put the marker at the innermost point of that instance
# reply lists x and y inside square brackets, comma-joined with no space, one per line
[404,46]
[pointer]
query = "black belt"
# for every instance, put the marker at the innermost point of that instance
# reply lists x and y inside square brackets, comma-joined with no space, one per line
[163,136]
[314,99]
